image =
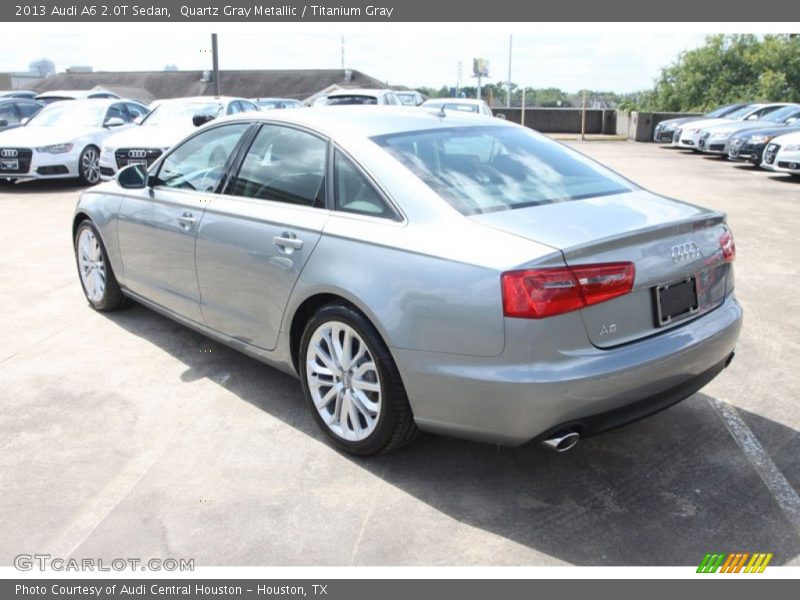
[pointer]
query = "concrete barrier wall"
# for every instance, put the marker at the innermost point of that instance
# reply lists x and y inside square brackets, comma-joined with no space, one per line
[640,126]
[563,120]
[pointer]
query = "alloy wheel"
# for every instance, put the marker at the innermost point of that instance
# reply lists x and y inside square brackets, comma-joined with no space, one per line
[90,165]
[344,381]
[92,266]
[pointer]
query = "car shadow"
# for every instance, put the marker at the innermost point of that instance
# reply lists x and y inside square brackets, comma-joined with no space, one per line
[786,178]
[42,186]
[663,491]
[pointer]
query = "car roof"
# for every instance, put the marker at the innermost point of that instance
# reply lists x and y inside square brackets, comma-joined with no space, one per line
[72,93]
[198,99]
[360,92]
[97,101]
[453,101]
[368,121]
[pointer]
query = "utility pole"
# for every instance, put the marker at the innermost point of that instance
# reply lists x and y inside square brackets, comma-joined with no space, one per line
[215,62]
[508,97]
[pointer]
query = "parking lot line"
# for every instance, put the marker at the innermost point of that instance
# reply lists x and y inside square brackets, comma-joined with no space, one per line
[778,485]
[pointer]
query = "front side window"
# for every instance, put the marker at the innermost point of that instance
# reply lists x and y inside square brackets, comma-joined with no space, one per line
[28,110]
[354,192]
[490,168]
[116,111]
[284,165]
[8,113]
[135,111]
[199,163]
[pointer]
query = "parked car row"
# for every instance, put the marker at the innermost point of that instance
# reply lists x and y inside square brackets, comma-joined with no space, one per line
[92,139]
[763,134]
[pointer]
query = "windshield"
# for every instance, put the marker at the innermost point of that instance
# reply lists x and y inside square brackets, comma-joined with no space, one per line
[351,99]
[268,103]
[487,169]
[74,114]
[407,99]
[722,111]
[455,106]
[781,114]
[175,113]
[740,113]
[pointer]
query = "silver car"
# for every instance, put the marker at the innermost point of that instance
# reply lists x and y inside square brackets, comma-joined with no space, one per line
[420,271]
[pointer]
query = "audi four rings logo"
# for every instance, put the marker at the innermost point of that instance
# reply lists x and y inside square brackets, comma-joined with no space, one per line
[9,153]
[137,153]
[685,252]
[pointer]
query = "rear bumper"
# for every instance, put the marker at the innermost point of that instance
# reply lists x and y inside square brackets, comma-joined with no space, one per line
[510,402]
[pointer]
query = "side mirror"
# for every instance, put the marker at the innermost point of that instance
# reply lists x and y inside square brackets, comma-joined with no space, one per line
[114,122]
[3,123]
[138,120]
[792,120]
[202,119]
[24,120]
[132,177]
[752,118]
[500,116]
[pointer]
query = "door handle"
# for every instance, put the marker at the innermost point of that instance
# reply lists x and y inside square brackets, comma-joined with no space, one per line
[288,240]
[186,220]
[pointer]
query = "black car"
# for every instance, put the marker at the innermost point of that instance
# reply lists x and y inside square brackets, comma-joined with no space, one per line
[749,145]
[13,111]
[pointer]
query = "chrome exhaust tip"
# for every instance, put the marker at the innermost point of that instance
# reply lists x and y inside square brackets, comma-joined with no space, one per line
[562,442]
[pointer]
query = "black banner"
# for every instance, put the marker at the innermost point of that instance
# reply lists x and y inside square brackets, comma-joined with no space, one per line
[396,11]
[730,588]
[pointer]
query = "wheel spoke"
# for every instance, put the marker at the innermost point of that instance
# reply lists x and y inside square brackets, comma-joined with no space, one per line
[367,407]
[329,396]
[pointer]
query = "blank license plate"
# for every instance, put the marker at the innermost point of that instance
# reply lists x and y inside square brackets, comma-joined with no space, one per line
[141,161]
[9,164]
[676,300]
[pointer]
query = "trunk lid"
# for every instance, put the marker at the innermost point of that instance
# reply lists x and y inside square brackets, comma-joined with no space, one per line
[667,241]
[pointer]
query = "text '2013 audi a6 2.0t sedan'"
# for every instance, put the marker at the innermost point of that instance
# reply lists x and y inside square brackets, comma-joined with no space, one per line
[422,270]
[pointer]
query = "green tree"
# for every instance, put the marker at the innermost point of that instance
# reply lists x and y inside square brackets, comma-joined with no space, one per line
[729,68]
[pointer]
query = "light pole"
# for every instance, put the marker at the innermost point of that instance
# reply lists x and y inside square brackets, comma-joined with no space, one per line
[508,97]
[215,62]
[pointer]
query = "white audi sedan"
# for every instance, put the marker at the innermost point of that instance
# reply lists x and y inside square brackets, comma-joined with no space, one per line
[64,140]
[168,122]
[782,154]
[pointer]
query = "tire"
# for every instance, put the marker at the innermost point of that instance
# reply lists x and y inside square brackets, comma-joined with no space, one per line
[89,166]
[383,413]
[93,268]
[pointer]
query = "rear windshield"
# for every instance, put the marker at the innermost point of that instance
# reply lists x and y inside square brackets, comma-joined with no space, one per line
[353,99]
[491,168]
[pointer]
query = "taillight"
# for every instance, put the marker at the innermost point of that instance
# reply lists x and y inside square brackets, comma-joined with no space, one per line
[728,246]
[539,293]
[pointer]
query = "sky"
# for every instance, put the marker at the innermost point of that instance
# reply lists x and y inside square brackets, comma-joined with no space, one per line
[617,61]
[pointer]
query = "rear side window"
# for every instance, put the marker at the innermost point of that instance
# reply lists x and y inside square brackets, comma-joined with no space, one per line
[199,163]
[352,99]
[354,193]
[283,165]
[490,168]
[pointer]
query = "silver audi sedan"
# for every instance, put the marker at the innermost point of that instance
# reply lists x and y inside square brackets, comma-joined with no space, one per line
[422,271]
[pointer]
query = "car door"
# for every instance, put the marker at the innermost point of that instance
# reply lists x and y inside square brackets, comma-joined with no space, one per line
[257,235]
[157,226]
